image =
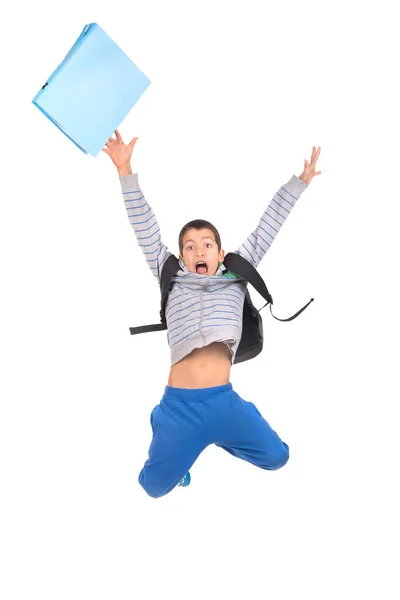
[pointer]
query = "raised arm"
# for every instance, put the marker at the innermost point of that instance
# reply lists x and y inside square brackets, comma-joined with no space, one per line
[140,214]
[260,240]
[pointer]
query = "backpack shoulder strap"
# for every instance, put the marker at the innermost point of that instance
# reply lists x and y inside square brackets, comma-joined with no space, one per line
[236,263]
[170,268]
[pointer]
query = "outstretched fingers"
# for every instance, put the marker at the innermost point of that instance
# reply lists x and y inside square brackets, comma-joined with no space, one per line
[111,140]
[315,158]
[314,155]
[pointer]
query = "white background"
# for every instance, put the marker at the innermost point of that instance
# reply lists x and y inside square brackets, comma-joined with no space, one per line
[240,93]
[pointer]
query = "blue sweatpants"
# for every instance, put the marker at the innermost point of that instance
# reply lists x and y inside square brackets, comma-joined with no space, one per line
[188,420]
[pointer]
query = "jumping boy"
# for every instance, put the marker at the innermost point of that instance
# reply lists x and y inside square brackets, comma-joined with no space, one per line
[204,319]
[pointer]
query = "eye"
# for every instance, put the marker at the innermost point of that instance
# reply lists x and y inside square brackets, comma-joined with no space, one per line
[208,244]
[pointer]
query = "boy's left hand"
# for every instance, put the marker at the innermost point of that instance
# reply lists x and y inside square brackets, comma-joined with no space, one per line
[309,167]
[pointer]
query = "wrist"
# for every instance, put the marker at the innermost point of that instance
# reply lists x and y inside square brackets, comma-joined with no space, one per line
[124,170]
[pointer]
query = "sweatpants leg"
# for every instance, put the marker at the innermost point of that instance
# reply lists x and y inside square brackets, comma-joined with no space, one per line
[188,420]
[244,433]
[180,434]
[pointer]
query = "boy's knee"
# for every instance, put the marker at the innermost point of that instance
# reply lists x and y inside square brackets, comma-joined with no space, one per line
[149,489]
[153,489]
[153,493]
[279,458]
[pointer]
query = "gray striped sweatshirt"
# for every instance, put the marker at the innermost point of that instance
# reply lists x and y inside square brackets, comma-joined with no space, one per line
[202,309]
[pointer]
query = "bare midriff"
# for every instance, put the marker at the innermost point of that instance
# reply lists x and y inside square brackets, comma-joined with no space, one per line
[204,367]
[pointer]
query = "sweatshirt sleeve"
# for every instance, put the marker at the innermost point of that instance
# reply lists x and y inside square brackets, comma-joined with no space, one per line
[260,240]
[144,224]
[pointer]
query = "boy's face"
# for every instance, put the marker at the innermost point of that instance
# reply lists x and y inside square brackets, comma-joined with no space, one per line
[200,245]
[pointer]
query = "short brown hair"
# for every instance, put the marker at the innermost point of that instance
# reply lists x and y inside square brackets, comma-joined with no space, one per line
[199,224]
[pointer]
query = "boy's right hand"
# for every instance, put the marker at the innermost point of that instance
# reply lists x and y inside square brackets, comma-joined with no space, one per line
[120,153]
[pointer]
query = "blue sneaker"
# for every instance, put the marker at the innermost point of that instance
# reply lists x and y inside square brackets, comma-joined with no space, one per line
[185,481]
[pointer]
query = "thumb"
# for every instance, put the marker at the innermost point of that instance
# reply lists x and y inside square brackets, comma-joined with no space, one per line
[132,143]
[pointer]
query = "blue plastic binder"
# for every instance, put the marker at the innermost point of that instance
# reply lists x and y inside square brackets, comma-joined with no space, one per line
[92,90]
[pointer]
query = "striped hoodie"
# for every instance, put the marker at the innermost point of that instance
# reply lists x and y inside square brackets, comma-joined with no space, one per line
[202,309]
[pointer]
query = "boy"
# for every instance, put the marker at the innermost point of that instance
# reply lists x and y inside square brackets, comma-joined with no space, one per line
[204,318]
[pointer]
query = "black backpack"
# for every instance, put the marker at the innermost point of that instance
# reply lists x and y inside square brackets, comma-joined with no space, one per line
[251,342]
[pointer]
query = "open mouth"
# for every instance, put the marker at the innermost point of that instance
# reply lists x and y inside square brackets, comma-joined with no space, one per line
[201,267]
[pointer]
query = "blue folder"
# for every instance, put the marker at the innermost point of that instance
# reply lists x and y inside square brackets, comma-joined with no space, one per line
[92,90]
